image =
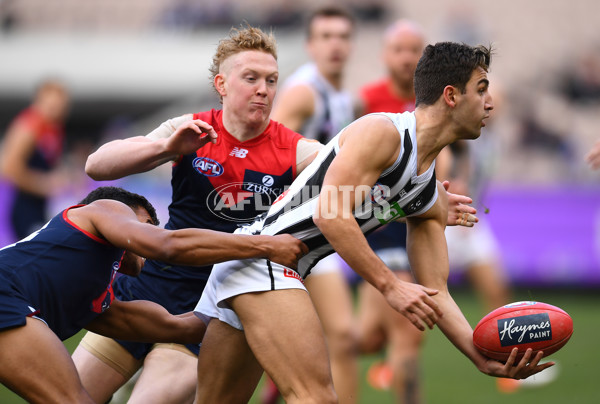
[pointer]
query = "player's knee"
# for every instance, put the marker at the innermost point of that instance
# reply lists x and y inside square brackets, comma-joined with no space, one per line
[371,342]
[343,341]
[169,375]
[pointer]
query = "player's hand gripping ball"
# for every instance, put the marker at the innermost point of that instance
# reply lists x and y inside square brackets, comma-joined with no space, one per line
[535,325]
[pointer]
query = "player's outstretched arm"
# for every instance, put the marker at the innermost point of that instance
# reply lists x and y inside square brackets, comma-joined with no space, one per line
[427,251]
[428,256]
[173,138]
[145,321]
[370,145]
[118,224]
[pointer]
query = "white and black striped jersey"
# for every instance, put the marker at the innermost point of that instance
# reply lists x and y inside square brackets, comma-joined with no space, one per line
[398,192]
[333,108]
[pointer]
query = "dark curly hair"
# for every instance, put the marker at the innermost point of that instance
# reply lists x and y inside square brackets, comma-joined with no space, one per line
[119,194]
[447,64]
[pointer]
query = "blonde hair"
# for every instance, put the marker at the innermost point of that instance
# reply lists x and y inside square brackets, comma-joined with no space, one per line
[247,38]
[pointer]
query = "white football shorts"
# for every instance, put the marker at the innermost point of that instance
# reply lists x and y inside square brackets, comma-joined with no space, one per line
[233,278]
[468,246]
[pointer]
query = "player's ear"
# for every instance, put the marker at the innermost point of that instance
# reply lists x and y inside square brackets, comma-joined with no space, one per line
[450,93]
[219,84]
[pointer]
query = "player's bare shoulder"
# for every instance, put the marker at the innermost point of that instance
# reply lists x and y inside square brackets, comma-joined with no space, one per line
[168,127]
[373,127]
[102,210]
[86,217]
[295,104]
[306,151]
[374,134]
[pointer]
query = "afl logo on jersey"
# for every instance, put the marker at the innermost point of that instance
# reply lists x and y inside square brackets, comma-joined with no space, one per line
[207,167]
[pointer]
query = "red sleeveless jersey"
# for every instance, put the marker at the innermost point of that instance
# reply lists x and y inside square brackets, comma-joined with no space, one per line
[224,184]
[378,97]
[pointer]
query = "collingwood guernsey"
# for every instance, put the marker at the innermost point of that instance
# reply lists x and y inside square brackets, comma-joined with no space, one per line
[399,192]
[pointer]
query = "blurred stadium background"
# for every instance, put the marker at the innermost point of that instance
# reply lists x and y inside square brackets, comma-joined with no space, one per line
[132,64]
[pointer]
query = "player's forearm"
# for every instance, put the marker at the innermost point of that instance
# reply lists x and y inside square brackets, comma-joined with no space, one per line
[427,251]
[205,247]
[145,321]
[31,181]
[457,329]
[123,157]
[346,237]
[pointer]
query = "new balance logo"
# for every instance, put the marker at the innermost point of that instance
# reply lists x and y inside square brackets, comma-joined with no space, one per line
[239,152]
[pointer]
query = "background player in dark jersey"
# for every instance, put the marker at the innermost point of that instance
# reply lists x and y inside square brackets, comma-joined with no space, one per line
[30,156]
[280,326]
[59,280]
[216,185]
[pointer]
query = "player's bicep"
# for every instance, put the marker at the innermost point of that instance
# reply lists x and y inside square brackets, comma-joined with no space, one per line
[119,225]
[368,147]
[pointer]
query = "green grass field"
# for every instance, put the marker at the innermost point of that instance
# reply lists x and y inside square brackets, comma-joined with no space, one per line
[449,378]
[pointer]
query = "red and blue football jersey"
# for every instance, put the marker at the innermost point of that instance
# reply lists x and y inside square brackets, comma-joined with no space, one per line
[228,183]
[219,187]
[61,274]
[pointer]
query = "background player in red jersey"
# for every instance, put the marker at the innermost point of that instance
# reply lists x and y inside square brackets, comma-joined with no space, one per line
[59,280]
[211,184]
[31,153]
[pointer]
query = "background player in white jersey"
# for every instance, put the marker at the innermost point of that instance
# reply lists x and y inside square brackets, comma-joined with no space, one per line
[280,326]
[313,102]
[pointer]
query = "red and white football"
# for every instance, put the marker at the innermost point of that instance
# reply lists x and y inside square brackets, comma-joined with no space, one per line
[535,325]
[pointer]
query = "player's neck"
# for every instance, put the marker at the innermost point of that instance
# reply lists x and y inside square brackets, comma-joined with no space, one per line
[433,134]
[243,130]
[336,80]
